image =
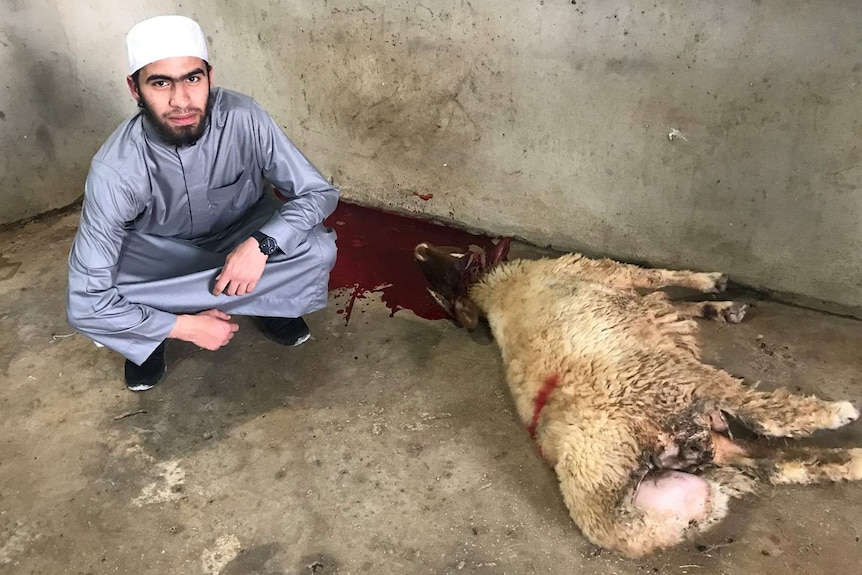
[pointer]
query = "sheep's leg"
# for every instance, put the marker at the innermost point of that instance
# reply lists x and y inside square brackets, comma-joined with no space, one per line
[816,466]
[660,512]
[627,276]
[727,311]
[782,414]
[773,413]
[633,520]
[783,464]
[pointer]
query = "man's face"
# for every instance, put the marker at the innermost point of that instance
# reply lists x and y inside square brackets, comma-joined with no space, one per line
[174,93]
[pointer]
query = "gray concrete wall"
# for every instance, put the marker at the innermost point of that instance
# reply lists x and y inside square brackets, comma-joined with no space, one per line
[548,120]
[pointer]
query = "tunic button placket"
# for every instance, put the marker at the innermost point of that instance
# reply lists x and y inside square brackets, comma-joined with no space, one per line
[200,208]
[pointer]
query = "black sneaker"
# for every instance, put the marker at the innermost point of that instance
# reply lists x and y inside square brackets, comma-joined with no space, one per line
[147,375]
[286,330]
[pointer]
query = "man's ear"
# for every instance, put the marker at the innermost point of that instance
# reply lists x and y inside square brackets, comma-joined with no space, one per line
[211,76]
[132,88]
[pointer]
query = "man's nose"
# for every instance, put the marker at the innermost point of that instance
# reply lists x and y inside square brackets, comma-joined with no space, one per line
[180,95]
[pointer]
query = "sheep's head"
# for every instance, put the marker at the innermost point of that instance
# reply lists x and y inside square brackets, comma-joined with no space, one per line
[451,271]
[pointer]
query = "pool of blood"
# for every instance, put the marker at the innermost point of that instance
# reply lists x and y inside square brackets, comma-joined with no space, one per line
[375,255]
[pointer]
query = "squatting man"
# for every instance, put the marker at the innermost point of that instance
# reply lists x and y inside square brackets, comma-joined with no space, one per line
[177,233]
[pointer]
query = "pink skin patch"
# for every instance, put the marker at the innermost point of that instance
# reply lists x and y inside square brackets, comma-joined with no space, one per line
[673,494]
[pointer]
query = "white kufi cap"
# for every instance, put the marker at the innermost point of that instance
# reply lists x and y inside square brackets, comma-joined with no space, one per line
[164,37]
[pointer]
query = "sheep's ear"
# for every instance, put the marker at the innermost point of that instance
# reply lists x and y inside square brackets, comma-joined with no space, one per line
[466,312]
[501,250]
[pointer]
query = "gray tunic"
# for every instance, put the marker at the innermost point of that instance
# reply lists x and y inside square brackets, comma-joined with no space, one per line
[158,221]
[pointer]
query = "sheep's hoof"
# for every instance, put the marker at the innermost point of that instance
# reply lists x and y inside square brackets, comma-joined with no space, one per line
[843,412]
[734,312]
[718,283]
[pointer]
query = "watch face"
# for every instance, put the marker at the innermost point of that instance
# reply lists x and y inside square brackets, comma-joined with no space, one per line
[268,246]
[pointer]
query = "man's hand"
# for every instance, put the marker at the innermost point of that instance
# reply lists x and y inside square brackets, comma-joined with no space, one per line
[242,269]
[209,329]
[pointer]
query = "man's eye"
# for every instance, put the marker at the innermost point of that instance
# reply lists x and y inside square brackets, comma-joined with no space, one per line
[160,83]
[194,79]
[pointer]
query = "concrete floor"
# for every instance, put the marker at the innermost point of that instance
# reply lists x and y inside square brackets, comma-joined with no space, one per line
[387,445]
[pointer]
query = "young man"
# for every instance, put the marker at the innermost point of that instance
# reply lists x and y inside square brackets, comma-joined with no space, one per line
[179,228]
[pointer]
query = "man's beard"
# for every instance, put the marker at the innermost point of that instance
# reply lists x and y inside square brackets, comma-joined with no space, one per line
[178,135]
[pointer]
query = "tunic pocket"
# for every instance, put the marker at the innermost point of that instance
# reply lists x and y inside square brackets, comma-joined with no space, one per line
[228,203]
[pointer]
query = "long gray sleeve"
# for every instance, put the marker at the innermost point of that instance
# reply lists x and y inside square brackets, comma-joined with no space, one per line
[311,199]
[94,305]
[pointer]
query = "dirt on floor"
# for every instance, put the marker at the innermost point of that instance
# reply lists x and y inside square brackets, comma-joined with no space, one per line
[386,444]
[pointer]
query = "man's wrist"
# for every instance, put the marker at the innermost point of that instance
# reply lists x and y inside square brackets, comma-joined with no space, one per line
[180,329]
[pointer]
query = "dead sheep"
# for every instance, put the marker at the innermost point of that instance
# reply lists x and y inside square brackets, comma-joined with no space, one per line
[611,386]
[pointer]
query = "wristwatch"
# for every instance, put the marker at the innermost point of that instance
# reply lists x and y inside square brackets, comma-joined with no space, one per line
[267,244]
